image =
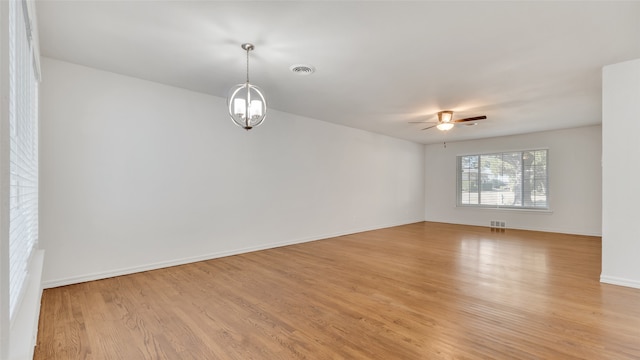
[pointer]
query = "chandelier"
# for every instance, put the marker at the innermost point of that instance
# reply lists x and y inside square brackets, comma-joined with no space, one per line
[246,103]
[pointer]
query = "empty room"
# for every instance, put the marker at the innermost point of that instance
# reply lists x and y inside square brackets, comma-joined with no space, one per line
[319,180]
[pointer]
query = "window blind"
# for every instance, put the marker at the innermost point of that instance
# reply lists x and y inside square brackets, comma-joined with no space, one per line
[23,158]
[516,179]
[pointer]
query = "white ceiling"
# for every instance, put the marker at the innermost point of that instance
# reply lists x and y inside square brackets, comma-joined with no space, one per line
[528,66]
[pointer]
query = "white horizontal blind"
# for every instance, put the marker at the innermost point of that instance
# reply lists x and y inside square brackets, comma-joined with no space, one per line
[23,159]
[516,179]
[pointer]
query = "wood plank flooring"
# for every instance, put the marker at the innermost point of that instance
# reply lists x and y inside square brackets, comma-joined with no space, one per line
[419,291]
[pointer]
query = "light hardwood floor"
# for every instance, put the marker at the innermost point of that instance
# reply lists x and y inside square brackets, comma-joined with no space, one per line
[419,291]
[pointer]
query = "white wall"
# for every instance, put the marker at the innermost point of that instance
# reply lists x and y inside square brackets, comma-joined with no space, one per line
[138,175]
[574,182]
[621,173]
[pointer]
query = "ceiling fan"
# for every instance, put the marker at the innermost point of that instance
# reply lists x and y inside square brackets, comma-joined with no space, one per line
[446,122]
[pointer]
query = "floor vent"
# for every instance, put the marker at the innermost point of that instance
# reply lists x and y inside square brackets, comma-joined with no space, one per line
[500,225]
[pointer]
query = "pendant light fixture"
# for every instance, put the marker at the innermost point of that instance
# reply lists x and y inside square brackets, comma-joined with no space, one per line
[246,103]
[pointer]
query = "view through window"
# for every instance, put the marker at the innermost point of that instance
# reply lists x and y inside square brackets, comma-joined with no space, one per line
[516,179]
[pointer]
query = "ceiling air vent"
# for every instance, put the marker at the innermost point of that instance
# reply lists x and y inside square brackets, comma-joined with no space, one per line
[300,69]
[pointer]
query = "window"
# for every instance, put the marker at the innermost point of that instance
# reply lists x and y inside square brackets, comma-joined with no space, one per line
[23,143]
[516,179]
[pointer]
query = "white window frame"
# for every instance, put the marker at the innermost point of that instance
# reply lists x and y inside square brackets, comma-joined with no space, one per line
[498,205]
[24,77]
[20,271]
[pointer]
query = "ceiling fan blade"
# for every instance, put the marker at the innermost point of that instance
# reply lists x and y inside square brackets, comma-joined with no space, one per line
[421,122]
[470,119]
[432,126]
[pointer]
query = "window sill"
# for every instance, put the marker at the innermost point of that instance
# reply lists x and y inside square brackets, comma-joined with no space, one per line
[483,208]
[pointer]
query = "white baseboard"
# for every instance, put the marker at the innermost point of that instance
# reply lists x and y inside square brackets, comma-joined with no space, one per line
[175,262]
[561,231]
[526,228]
[620,281]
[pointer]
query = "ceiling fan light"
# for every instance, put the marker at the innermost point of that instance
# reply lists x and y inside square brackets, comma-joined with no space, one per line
[445,126]
[445,116]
